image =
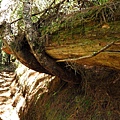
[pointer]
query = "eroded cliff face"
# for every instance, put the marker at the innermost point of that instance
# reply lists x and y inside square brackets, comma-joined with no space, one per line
[96,98]
[31,83]
[30,95]
[18,89]
[9,93]
[87,42]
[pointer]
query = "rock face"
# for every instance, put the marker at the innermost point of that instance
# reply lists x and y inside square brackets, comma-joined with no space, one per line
[81,48]
[31,83]
[30,95]
[8,95]
[95,54]
[17,90]
[59,100]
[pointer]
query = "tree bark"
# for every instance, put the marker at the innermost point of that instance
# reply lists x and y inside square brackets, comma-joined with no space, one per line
[36,44]
[20,48]
[83,39]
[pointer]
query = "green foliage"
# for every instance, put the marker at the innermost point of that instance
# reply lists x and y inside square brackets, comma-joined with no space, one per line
[0,44]
[100,2]
[35,19]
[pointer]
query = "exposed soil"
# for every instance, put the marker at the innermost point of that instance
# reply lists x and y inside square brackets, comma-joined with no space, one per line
[49,98]
[97,98]
[74,47]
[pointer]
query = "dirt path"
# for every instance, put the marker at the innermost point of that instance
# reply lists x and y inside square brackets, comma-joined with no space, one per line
[8,89]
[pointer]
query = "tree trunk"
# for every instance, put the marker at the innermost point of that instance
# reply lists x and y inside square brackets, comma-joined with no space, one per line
[20,48]
[88,38]
[38,50]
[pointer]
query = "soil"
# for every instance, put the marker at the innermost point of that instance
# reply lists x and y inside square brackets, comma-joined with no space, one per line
[100,46]
[97,98]
[49,98]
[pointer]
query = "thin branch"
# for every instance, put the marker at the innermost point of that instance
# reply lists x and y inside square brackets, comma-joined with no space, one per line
[43,11]
[88,56]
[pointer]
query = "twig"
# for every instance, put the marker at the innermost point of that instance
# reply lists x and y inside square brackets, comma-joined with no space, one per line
[88,56]
[44,11]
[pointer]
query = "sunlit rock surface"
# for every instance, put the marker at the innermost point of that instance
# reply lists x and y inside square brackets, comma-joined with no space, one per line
[17,90]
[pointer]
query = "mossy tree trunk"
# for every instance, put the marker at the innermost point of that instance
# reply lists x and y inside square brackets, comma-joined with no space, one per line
[36,44]
[95,34]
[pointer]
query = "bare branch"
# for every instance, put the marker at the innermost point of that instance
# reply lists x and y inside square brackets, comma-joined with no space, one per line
[88,56]
[43,11]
